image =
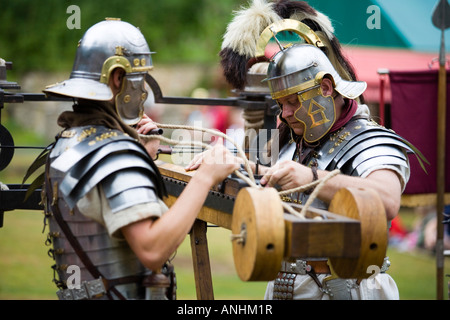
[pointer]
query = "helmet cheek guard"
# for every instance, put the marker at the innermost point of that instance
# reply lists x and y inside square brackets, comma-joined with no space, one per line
[108,45]
[130,100]
[316,112]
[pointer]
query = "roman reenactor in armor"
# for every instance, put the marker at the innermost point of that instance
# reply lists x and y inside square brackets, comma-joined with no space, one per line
[103,192]
[329,130]
[324,126]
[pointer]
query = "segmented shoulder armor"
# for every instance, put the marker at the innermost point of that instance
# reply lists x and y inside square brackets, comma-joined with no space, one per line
[87,156]
[362,144]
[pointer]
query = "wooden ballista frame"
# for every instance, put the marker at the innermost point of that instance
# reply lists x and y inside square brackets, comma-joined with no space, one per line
[353,234]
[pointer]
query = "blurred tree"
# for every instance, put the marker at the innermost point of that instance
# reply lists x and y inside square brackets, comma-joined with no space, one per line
[34,34]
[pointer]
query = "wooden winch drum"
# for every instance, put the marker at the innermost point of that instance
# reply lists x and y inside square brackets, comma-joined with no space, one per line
[366,206]
[258,234]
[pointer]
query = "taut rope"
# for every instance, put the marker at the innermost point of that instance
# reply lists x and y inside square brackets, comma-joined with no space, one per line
[250,180]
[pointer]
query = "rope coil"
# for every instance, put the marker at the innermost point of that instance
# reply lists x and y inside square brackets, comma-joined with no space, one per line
[254,119]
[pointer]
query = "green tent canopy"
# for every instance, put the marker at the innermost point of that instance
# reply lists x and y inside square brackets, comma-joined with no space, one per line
[384,23]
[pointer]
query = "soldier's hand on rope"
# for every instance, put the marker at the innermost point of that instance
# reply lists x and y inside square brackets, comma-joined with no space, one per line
[143,127]
[195,162]
[217,163]
[287,174]
[198,159]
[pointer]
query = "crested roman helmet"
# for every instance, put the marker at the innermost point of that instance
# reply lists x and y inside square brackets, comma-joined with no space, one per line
[303,66]
[299,69]
[247,36]
[105,46]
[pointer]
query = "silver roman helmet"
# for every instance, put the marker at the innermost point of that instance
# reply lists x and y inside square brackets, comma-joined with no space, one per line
[299,69]
[105,46]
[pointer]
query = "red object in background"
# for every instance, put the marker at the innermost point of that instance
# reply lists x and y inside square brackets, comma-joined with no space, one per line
[414,117]
[219,115]
[397,229]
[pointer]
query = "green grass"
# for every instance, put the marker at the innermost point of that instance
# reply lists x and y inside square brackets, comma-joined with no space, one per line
[25,268]
[415,274]
[226,282]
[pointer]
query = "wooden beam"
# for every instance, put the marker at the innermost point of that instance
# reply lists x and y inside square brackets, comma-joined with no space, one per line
[200,260]
[216,217]
[321,238]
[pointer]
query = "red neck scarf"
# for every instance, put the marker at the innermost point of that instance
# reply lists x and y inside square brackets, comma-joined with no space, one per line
[348,111]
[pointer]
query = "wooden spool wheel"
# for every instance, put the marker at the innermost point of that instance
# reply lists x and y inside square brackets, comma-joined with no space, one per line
[366,206]
[258,234]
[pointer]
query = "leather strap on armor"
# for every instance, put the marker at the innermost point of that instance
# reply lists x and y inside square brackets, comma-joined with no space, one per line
[315,177]
[75,244]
